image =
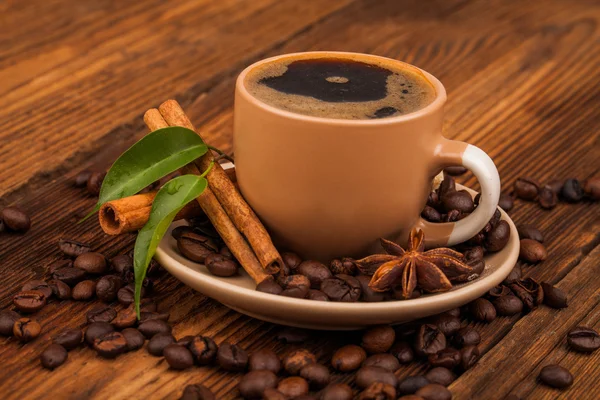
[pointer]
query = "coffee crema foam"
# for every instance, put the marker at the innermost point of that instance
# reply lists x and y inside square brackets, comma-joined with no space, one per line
[341,88]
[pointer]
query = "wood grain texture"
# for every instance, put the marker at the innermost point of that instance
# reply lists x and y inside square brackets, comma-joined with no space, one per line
[75,79]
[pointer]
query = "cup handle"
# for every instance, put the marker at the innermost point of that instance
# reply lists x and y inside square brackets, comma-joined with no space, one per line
[451,152]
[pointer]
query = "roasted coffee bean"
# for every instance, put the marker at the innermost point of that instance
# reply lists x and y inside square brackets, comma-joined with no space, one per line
[348,358]
[231,357]
[26,329]
[498,291]
[556,185]
[125,318]
[367,375]
[441,376]
[29,301]
[101,314]
[180,230]
[378,339]
[455,170]
[186,340]
[59,264]
[411,384]
[448,324]
[73,248]
[482,310]
[530,232]
[133,338]
[532,251]
[196,247]
[346,266]
[226,252]
[61,290]
[154,326]
[273,394]
[121,263]
[378,391]
[452,216]
[15,219]
[430,340]
[7,322]
[342,287]
[315,271]
[148,315]
[460,200]
[556,376]
[385,361]
[54,356]
[294,361]
[178,357]
[293,335]
[69,275]
[448,185]
[433,391]
[264,359]
[254,383]
[295,286]
[572,191]
[110,344]
[107,288]
[553,296]
[204,350]
[367,294]
[583,339]
[94,183]
[498,237]
[403,352]
[455,312]
[515,275]
[336,391]
[474,253]
[197,392]
[291,260]
[158,342]
[220,265]
[148,305]
[81,178]
[316,295]
[431,214]
[591,187]
[293,387]
[469,356]
[69,339]
[433,200]
[529,291]
[547,198]
[508,305]
[506,202]
[125,295]
[269,286]
[95,330]
[42,286]
[526,188]
[84,290]
[91,262]
[447,358]
[466,336]
[317,375]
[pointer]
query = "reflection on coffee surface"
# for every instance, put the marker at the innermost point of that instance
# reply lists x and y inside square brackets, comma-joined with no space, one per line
[340,88]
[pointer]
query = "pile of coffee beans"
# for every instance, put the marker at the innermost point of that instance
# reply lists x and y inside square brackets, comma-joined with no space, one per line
[549,194]
[13,219]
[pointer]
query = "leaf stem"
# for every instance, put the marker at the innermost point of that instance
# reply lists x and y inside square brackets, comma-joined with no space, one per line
[221,153]
[212,163]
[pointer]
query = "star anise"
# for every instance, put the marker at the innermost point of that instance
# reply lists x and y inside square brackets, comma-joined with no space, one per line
[431,270]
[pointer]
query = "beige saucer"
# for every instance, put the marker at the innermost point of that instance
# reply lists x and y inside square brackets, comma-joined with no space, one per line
[238,293]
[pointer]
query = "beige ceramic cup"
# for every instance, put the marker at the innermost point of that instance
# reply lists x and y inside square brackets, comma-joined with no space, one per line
[329,187]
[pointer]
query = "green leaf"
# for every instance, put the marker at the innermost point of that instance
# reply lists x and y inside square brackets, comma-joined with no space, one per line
[169,200]
[157,154]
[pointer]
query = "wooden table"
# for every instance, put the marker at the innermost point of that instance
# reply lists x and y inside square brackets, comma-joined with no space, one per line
[76,77]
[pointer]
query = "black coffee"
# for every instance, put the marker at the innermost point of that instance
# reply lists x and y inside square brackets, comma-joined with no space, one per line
[341,88]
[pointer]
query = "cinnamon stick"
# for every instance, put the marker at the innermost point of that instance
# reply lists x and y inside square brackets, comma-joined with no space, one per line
[229,197]
[217,215]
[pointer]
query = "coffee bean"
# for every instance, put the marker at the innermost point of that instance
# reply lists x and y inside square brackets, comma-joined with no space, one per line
[385,361]
[220,265]
[154,326]
[572,191]
[180,230]
[498,291]
[15,219]
[342,287]
[7,322]
[316,295]
[547,198]
[69,275]
[125,295]
[269,286]
[95,330]
[121,263]
[532,251]
[477,267]
[441,376]
[448,324]
[69,339]
[196,247]
[529,291]
[411,384]
[291,260]
[591,187]
[447,358]
[498,237]
[430,340]
[293,335]
[514,276]
[125,318]
[178,357]
[29,301]
[133,338]
[264,359]
[556,376]
[348,358]
[433,391]
[58,264]
[61,290]
[467,336]
[110,345]
[453,216]
[431,214]
[508,305]
[474,253]
[158,342]
[346,266]
[254,383]
[148,315]
[84,290]
[295,286]
[107,288]
[42,286]
[185,341]
[455,170]
[460,200]
[54,356]
[378,391]
[317,375]
[91,262]
[583,339]
[73,248]
[204,350]
[273,394]
[148,305]
[448,185]
[197,392]
[482,310]
[469,356]
[294,361]
[506,202]
[26,329]
[293,387]
[403,352]
[378,339]
[101,314]
[231,357]
[527,231]
[315,271]
[526,188]
[94,183]
[553,296]
[81,178]
[336,391]
[367,294]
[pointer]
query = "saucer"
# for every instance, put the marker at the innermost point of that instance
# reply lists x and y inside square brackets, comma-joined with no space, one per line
[238,292]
